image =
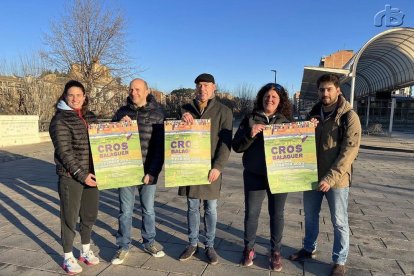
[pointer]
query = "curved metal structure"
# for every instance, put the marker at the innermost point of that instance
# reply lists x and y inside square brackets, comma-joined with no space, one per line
[384,63]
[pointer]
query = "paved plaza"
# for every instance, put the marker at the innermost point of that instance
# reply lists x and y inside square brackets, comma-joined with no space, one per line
[381,213]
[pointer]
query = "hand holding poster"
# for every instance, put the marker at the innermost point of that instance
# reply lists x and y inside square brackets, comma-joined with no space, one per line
[290,152]
[187,153]
[116,154]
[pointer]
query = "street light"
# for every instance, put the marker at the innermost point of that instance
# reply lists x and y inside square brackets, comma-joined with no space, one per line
[275,74]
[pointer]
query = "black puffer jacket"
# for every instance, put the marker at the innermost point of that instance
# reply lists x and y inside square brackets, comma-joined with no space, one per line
[253,148]
[70,138]
[150,120]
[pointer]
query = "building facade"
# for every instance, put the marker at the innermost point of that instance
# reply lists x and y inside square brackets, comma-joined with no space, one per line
[337,59]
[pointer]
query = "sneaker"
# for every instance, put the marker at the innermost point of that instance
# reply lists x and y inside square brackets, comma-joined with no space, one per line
[248,256]
[275,261]
[338,270]
[71,266]
[119,257]
[211,256]
[302,255]
[188,252]
[154,251]
[89,258]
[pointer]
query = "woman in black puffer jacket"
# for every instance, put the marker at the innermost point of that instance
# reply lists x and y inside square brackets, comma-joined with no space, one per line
[77,184]
[272,106]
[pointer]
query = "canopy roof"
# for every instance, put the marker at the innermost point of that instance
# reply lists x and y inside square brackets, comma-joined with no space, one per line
[384,63]
[311,74]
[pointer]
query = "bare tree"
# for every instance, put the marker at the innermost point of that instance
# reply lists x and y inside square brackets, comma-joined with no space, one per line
[244,99]
[26,92]
[6,67]
[89,41]
[176,99]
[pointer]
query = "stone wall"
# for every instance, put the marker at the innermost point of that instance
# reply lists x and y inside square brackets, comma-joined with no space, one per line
[19,130]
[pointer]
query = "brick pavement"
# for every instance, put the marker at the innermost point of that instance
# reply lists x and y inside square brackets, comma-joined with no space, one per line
[381,215]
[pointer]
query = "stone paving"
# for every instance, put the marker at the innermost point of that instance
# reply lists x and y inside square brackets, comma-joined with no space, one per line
[381,213]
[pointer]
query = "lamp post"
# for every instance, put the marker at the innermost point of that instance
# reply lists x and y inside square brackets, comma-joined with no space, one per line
[275,74]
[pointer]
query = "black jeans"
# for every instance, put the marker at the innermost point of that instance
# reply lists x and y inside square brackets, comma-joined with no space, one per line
[76,200]
[255,188]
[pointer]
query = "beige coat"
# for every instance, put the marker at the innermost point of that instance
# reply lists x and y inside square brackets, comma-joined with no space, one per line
[335,155]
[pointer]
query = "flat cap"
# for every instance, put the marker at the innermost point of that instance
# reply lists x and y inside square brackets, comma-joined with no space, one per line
[204,78]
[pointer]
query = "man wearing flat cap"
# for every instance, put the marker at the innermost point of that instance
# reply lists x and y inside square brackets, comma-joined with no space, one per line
[206,106]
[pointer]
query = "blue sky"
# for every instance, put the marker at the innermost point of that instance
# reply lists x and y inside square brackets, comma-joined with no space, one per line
[238,41]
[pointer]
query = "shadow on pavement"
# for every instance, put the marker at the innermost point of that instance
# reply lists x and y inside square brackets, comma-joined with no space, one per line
[30,204]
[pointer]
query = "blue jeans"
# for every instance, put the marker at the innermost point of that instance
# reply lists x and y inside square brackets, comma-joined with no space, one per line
[338,206]
[127,201]
[193,219]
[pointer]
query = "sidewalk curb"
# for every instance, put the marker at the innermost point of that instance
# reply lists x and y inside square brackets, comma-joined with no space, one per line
[387,149]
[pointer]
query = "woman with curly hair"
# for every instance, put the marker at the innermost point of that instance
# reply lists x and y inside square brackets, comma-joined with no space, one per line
[272,106]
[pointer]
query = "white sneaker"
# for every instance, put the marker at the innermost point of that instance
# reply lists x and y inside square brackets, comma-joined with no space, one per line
[154,251]
[119,257]
[89,258]
[71,266]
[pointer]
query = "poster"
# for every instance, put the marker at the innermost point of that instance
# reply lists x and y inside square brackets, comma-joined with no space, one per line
[187,153]
[116,154]
[290,152]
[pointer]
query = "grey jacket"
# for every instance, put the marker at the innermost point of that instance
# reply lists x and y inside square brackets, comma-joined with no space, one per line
[221,134]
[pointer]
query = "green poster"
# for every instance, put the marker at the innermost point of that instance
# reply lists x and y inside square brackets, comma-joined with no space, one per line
[187,153]
[116,154]
[290,152]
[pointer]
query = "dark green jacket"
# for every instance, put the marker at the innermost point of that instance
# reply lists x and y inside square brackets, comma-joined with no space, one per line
[221,134]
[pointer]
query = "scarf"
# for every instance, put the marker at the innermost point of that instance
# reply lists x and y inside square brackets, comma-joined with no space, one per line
[202,106]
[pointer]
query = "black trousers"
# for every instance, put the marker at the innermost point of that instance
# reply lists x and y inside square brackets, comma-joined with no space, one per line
[255,189]
[76,200]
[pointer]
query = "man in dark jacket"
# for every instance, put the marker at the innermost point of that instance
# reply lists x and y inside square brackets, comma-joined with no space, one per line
[206,106]
[141,106]
[338,137]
